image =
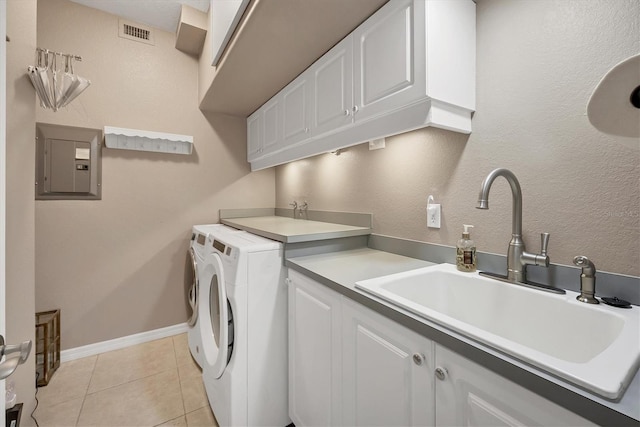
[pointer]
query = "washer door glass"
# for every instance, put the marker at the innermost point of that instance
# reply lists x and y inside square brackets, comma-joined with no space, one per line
[192,292]
[214,317]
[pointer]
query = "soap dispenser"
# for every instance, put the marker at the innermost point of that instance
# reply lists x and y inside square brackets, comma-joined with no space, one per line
[466,252]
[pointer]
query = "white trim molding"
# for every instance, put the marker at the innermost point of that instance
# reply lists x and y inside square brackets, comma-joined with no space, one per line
[122,342]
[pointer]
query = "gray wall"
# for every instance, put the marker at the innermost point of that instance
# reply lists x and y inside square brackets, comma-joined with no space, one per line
[116,267]
[537,64]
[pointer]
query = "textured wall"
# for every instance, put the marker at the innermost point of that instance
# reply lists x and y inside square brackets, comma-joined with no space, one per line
[116,266]
[537,64]
[20,152]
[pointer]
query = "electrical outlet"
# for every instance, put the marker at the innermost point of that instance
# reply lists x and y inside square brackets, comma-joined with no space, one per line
[433,216]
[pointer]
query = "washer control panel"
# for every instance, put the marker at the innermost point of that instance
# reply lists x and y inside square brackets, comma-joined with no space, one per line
[223,248]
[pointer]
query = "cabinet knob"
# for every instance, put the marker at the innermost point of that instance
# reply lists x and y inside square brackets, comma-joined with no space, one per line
[441,373]
[355,109]
[418,359]
[347,112]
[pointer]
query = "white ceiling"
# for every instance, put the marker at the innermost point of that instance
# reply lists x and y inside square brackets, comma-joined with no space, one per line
[163,14]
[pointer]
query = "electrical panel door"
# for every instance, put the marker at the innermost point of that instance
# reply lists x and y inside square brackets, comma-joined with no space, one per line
[68,162]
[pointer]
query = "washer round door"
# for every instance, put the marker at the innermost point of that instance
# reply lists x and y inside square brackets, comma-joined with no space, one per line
[192,292]
[214,317]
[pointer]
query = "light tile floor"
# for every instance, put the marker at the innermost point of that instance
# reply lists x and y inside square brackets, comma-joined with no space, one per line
[152,384]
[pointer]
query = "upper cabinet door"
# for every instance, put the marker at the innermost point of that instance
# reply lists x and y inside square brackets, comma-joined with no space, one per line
[272,137]
[254,136]
[389,59]
[296,110]
[333,88]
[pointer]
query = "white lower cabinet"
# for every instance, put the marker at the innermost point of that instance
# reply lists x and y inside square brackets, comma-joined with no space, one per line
[471,395]
[351,366]
[314,353]
[387,371]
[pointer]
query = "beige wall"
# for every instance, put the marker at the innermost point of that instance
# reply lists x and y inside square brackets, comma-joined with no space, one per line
[20,310]
[116,266]
[537,64]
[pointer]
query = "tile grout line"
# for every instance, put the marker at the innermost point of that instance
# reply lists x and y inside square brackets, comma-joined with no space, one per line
[175,359]
[84,397]
[175,356]
[129,381]
[92,377]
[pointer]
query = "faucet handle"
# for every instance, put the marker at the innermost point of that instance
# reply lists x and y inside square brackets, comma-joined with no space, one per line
[294,205]
[544,243]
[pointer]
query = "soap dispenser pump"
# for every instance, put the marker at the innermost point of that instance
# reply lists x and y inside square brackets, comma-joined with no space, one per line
[466,252]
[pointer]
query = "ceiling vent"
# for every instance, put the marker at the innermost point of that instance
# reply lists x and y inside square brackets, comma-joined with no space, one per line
[133,31]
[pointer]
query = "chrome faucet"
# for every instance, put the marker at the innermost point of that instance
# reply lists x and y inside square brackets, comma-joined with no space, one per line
[517,257]
[294,205]
[587,280]
[303,209]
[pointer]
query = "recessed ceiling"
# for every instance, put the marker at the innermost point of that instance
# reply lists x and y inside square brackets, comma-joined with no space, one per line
[163,14]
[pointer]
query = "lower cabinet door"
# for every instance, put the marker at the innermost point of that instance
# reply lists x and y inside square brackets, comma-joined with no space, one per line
[314,353]
[471,395]
[387,371]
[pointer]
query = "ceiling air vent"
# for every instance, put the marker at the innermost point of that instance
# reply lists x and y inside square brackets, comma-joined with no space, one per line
[133,31]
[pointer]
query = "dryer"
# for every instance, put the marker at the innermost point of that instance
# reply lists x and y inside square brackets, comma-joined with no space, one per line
[197,252]
[243,324]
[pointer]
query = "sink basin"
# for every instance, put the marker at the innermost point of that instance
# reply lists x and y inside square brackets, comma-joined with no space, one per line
[594,346]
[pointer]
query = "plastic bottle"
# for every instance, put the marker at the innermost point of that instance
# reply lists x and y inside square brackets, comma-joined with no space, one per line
[466,252]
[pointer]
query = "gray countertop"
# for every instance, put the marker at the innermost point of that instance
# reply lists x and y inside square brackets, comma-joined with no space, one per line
[341,270]
[289,230]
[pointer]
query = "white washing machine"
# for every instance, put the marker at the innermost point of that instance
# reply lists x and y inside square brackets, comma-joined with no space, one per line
[243,322]
[197,253]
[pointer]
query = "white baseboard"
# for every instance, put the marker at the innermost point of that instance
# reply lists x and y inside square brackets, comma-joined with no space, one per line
[122,342]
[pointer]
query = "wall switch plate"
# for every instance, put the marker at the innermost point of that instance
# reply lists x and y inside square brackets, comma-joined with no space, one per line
[433,215]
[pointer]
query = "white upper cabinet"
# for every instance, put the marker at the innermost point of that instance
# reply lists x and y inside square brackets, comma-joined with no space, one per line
[387,50]
[225,16]
[254,136]
[410,65]
[333,89]
[272,137]
[296,110]
[264,130]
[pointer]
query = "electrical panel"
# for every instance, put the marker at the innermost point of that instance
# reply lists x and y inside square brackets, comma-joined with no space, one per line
[68,163]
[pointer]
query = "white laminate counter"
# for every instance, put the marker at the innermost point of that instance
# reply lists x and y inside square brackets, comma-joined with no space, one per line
[289,230]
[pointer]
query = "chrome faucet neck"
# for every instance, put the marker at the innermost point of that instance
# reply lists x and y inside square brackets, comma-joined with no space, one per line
[516,192]
[517,257]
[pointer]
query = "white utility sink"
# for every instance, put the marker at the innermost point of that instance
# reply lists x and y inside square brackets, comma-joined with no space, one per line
[594,346]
